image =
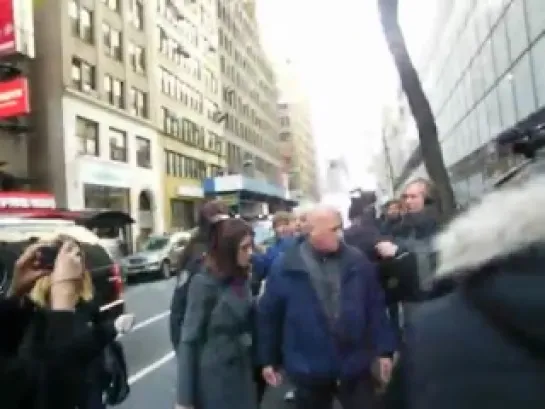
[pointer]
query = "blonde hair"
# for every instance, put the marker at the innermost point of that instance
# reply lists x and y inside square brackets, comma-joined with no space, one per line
[42,288]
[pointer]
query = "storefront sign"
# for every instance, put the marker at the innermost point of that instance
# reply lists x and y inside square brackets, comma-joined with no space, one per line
[190,191]
[7,27]
[27,200]
[14,99]
[101,173]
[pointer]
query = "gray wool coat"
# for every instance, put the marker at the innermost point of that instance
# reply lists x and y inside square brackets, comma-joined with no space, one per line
[215,360]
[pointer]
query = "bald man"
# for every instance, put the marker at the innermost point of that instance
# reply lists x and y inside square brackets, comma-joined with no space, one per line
[323,308]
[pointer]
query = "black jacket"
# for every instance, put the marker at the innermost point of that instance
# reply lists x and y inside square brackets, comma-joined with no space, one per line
[482,343]
[364,233]
[38,374]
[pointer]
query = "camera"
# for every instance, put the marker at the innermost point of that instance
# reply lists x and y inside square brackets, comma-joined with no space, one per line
[47,255]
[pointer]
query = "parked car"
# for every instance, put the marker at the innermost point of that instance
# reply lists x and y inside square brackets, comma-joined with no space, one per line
[16,233]
[159,255]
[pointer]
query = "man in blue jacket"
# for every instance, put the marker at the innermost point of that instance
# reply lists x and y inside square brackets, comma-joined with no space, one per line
[283,224]
[323,318]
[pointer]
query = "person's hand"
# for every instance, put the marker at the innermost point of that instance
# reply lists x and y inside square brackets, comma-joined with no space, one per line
[385,366]
[68,264]
[26,271]
[124,323]
[271,376]
[68,269]
[386,249]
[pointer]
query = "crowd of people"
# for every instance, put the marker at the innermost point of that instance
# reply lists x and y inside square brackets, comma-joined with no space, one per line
[393,311]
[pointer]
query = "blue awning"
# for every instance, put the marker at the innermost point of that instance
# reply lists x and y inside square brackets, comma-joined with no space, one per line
[234,183]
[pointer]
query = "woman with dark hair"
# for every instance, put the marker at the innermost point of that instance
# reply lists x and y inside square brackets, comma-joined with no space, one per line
[215,368]
[190,261]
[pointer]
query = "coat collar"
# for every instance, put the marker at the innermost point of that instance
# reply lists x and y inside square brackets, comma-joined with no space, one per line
[504,223]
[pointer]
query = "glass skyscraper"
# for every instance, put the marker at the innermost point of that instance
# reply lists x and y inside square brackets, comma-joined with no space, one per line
[485,74]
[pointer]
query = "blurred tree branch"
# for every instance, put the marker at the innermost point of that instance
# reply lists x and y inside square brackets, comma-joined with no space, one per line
[430,147]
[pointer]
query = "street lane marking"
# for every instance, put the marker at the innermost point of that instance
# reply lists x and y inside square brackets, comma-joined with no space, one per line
[150,320]
[151,368]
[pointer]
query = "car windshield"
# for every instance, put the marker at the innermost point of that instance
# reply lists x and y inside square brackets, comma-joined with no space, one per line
[155,243]
[263,231]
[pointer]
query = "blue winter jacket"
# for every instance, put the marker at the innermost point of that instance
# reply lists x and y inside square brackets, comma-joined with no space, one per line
[294,331]
[262,262]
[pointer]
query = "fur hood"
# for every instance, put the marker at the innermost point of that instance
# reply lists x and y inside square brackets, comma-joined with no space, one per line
[503,223]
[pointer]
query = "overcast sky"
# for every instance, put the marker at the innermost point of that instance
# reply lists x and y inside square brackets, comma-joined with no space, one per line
[339,52]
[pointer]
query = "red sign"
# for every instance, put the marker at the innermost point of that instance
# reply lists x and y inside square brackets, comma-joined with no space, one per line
[7,27]
[14,100]
[27,200]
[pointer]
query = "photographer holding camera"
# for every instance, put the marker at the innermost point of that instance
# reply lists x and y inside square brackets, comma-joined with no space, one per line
[42,373]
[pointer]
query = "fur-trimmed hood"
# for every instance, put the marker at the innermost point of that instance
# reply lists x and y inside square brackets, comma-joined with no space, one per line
[503,223]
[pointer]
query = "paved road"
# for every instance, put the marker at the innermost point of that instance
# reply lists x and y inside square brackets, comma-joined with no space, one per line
[152,367]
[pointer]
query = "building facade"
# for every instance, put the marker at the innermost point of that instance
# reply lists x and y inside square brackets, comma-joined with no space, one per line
[249,95]
[93,83]
[189,98]
[138,103]
[482,76]
[298,150]
[17,49]
[297,142]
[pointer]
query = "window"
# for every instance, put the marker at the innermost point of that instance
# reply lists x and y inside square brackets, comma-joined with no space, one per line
[493,110]
[87,136]
[83,75]
[139,103]
[111,4]
[507,102]
[285,136]
[118,145]
[516,29]
[112,42]
[214,171]
[137,58]
[81,21]
[143,152]
[524,88]
[115,90]
[184,166]
[137,14]
[535,13]
[538,59]
[500,48]
[171,122]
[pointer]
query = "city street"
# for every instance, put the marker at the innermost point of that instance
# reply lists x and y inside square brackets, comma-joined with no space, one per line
[151,362]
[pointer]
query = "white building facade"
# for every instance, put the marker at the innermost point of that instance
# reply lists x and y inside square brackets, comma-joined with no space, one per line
[112,162]
[482,75]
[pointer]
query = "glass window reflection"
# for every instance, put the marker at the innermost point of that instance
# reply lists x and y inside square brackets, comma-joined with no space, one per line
[524,87]
[538,62]
[499,45]
[535,14]
[516,29]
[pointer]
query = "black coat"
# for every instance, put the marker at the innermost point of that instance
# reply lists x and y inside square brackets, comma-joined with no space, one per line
[482,344]
[364,233]
[38,374]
